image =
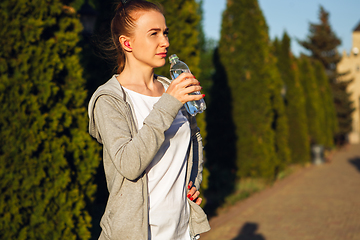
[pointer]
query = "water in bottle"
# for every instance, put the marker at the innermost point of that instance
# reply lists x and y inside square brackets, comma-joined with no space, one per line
[178,67]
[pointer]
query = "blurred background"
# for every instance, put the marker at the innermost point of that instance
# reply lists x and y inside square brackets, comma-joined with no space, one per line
[282,85]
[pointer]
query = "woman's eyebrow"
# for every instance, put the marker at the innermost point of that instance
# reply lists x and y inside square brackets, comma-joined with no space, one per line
[158,29]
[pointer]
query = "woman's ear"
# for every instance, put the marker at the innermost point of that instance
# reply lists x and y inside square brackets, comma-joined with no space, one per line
[125,43]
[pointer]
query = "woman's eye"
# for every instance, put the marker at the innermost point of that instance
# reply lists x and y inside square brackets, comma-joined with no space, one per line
[154,33]
[166,33]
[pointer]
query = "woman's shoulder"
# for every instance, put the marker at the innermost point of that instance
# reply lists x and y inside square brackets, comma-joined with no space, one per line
[111,88]
[112,85]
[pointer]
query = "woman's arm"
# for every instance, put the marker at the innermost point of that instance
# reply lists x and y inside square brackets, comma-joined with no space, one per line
[131,155]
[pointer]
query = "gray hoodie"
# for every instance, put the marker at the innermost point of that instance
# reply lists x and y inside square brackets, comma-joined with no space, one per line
[127,152]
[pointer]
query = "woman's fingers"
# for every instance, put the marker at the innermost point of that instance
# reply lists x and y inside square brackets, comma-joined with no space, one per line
[185,82]
[198,201]
[182,87]
[192,88]
[183,77]
[193,194]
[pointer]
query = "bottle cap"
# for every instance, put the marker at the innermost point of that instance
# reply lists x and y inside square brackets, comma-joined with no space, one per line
[173,57]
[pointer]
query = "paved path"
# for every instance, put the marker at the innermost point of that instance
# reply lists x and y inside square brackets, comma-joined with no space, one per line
[315,203]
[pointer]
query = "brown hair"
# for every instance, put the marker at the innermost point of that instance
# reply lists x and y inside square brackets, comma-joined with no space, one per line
[123,23]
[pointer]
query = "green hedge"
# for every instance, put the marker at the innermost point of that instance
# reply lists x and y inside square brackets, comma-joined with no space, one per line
[47,157]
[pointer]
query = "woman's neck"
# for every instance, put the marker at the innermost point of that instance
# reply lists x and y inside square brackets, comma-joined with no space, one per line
[141,81]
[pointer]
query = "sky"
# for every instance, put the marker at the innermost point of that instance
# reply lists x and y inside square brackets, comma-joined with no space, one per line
[294,17]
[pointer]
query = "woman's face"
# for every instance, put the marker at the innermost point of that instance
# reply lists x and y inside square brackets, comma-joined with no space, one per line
[150,40]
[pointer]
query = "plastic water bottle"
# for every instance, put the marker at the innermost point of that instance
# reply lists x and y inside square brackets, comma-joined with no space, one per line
[178,67]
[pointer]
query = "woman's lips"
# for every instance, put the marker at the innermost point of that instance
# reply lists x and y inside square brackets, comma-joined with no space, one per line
[162,54]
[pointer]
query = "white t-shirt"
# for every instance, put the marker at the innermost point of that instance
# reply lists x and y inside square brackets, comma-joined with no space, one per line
[168,207]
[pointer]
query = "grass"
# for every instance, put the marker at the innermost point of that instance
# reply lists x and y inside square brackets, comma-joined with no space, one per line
[244,189]
[247,187]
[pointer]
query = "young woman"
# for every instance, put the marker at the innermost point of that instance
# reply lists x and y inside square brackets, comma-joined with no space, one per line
[152,149]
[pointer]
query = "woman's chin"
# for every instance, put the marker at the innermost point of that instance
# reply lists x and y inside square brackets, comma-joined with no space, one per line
[160,64]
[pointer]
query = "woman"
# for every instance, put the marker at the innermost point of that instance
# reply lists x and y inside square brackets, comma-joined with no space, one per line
[152,148]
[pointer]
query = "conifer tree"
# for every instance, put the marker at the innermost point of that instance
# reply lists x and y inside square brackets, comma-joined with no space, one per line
[314,109]
[244,52]
[47,157]
[280,121]
[322,43]
[204,76]
[295,102]
[203,68]
[221,139]
[329,126]
[344,108]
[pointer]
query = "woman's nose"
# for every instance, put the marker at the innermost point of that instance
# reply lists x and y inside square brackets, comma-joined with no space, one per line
[165,42]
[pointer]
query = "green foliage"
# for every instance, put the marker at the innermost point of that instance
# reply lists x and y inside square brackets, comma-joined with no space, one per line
[298,139]
[322,43]
[280,120]
[245,53]
[204,76]
[314,109]
[344,108]
[47,157]
[319,102]
[329,125]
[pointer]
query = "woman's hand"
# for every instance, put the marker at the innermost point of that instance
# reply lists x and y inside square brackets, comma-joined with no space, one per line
[193,194]
[184,84]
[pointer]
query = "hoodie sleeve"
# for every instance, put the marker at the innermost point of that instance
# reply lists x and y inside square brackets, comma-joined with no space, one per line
[130,154]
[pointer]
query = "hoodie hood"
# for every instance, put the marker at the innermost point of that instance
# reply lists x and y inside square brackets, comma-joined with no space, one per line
[113,88]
